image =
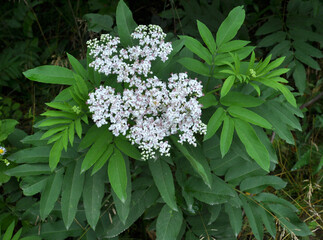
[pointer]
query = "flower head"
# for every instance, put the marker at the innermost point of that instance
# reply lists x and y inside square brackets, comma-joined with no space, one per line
[2,151]
[150,109]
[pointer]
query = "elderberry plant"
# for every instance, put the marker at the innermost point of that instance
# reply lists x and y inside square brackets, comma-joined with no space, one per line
[123,140]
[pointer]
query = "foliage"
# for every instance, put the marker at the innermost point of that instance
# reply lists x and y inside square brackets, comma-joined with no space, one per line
[71,179]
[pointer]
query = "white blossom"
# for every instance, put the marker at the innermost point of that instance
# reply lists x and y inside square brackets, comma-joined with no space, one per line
[149,110]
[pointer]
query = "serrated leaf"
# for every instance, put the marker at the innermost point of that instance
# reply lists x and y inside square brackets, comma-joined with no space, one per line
[51,193]
[118,175]
[168,224]
[253,145]
[249,116]
[240,100]
[8,234]
[226,135]
[163,179]
[50,74]
[93,193]
[206,36]
[71,191]
[230,26]
[214,123]
[125,23]
[78,127]
[52,131]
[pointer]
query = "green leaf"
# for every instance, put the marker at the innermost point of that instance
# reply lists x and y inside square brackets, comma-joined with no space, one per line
[232,46]
[251,210]
[91,136]
[230,26]
[235,217]
[78,127]
[93,193]
[289,220]
[55,154]
[50,74]
[272,25]
[307,48]
[272,39]
[51,193]
[196,47]
[17,235]
[125,23]
[98,22]
[100,145]
[253,145]
[215,212]
[304,58]
[53,131]
[219,192]
[163,179]
[240,100]
[268,221]
[299,76]
[249,116]
[226,135]
[281,48]
[214,123]
[54,121]
[168,224]
[208,100]
[141,200]
[195,66]
[71,191]
[127,148]
[7,126]
[123,209]
[259,183]
[103,159]
[227,85]
[287,94]
[195,156]
[77,66]
[34,187]
[206,36]
[8,234]
[28,170]
[118,175]
[271,198]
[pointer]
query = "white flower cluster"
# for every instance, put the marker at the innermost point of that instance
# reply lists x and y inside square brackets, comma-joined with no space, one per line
[149,110]
[128,63]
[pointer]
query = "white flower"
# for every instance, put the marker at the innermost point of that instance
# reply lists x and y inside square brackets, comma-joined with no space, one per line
[2,151]
[149,110]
